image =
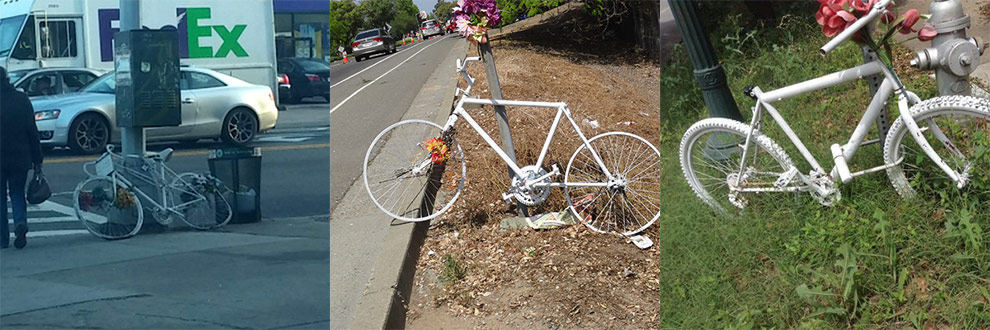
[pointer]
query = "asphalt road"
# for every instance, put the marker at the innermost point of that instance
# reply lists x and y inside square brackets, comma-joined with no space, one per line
[368,96]
[294,170]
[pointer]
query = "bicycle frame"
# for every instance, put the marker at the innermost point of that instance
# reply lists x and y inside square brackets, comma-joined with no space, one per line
[562,110]
[889,86]
[160,173]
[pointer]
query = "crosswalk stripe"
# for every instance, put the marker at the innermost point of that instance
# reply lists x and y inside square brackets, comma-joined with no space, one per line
[52,233]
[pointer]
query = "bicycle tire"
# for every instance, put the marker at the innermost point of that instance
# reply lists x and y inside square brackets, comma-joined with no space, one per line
[98,213]
[966,132]
[392,180]
[720,143]
[635,166]
[198,206]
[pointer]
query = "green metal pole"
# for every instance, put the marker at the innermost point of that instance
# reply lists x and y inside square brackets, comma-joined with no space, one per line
[709,74]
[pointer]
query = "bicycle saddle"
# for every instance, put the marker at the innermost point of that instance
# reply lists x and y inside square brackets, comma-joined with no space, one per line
[163,155]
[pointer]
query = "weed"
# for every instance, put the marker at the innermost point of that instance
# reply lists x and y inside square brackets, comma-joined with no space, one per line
[453,271]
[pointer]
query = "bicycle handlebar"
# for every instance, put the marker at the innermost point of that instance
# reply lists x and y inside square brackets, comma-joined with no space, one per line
[855,27]
[461,68]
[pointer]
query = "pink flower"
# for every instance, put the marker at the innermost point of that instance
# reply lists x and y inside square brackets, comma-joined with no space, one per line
[927,33]
[824,14]
[910,18]
[837,23]
[862,7]
[887,17]
[834,4]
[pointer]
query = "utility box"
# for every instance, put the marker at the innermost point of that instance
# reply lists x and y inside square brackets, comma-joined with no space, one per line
[147,77]
[239,169]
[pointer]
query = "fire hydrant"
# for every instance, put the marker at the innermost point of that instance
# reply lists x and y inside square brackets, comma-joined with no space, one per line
[952,55]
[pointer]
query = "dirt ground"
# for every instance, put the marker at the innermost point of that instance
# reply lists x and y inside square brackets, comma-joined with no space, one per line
[568,277]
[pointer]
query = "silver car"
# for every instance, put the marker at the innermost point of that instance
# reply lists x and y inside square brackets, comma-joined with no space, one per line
[52,81]
[372,42]
[430,28]
[214,106]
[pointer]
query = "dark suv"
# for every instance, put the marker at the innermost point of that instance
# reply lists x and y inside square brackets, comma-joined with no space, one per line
[372,42]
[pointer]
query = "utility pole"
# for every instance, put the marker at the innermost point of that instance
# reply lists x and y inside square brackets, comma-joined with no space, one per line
[132,138]
[709,74]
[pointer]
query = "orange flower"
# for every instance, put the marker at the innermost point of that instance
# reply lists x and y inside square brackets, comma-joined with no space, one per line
[439,152]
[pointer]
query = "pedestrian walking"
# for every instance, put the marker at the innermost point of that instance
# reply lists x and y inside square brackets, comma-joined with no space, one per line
[20,151]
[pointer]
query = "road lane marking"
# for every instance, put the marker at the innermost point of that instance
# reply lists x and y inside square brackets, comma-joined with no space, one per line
[369,67]
[379,77]
[198,152]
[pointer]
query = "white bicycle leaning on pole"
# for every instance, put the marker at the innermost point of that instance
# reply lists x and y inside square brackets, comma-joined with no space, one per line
[939,142]
[612,182]
[107,202]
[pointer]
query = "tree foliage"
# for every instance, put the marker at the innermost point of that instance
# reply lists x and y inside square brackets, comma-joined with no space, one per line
[443,10]
[344,22]
[513,10]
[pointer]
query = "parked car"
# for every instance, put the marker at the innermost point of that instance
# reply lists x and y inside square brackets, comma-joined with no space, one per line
[284,87]
[430,28]
[214,105]
[52,81]
[309,77]
[372,42]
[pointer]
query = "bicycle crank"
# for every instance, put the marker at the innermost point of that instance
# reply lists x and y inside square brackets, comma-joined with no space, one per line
[523,189]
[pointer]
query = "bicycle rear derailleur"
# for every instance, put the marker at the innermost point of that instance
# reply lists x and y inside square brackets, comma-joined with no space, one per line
[522,188]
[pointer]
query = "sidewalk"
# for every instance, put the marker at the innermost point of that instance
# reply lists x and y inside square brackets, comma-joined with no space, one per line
[268,275]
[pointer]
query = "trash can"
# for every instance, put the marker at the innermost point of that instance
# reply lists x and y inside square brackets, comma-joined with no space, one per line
[240,170]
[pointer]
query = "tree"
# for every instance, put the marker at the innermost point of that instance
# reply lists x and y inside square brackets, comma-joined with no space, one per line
[405,18]
[443,10]
[513,10]
[344,22]
[377,12]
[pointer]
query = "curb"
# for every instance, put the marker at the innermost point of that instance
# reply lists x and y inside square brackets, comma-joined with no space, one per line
[383,303]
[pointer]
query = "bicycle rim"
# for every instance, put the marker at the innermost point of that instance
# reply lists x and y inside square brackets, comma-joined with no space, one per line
[711,152]
[626,208]
[107,210]
[966,127]
[402,179]
[200,207]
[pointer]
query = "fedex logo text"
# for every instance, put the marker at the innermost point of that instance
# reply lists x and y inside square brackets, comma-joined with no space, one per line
[190,33]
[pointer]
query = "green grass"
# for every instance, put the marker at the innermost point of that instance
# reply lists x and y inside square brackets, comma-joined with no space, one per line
[871,261]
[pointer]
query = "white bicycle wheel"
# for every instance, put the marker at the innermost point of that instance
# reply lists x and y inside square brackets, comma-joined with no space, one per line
[403,180]
[965,122]
[199,205]
[106,209]
[626,202]
[711,152]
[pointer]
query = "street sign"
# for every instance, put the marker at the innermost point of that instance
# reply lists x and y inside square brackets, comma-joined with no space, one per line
[340,49]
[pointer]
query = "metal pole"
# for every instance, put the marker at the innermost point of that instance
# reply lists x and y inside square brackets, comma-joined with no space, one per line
[500,116]
[709,74]
[131,138]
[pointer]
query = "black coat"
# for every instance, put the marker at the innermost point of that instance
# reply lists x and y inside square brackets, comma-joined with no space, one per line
[19,143]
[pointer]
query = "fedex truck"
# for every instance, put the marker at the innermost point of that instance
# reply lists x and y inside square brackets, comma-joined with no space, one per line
[235,37]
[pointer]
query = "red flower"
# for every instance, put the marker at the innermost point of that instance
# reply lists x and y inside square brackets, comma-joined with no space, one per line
[824,14]
[862,7]
[834,4]
[887,17]
[837,23]
[910,18]
[927,33]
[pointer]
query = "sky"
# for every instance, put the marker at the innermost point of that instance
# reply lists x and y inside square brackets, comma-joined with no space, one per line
[425,5]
